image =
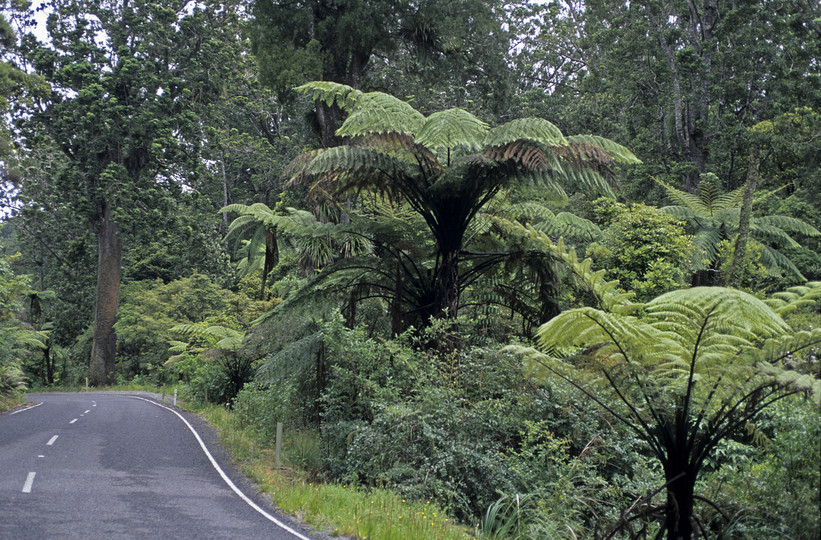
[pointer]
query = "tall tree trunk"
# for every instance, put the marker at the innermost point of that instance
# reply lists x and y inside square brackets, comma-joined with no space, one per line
[680,501]
[740,248]
[104,344]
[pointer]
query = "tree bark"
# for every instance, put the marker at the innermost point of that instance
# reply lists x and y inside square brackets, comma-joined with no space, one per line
[740,248]
[109,260]
[680,502]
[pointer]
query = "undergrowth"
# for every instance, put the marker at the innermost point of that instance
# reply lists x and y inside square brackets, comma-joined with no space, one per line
[373,514]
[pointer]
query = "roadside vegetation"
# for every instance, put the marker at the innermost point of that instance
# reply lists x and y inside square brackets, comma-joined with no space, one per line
[501,269]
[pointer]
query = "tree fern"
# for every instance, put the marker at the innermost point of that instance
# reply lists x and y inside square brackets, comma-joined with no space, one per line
[687,370]
[448,166]
[713,216]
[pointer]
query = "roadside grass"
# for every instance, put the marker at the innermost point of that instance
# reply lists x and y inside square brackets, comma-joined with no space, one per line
[10,401]
[373,514]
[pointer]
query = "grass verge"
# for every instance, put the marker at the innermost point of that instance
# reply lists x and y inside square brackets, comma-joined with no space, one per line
[10,401]
[373,514]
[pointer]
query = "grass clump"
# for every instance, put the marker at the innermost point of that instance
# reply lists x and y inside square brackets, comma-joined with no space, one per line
[10,401]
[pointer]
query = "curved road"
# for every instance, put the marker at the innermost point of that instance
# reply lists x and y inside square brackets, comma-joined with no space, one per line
[108,466]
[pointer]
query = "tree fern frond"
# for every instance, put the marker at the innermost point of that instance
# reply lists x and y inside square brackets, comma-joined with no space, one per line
[692,202]
[795,298]
[535,130]
[590,177]
[775,261]
[742,311]
[177,347]
[772,234]
[377,112]
[593,144]
[531,156]
[569,225]
[332,93]
[294,171]
[682,213]
[706,243]
[772,356]
[531,210]
[786,223]
[453,129]
[732,199]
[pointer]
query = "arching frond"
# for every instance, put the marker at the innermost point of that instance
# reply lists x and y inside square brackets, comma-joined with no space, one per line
[356,165]
[593,145]
[772,234]
[741,314]
[452,130]
[775,261]
[786,223]
[377,113]
[770,359]
[605,291]
[706,242]
[568,225]
[332,93]
[529,155]
[536,130]
[691,202]
[795,298]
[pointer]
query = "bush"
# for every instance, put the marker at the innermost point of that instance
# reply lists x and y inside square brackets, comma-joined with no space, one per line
[451,426]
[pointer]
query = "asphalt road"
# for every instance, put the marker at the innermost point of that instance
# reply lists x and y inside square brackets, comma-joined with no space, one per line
[109,466]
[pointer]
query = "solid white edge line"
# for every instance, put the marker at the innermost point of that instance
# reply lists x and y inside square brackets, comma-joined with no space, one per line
[26,408]
[224,476]
[29,483]
[52,440]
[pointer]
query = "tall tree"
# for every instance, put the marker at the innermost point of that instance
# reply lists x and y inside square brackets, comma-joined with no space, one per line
[681,81]
[342,41]
[123,78]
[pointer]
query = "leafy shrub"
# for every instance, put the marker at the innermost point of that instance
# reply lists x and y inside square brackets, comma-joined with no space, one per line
[645,249]
[769,482]
[204,380]
[449,425]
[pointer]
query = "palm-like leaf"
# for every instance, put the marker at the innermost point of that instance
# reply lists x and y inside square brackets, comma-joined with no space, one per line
[698,365]
[714,216]
[453,129]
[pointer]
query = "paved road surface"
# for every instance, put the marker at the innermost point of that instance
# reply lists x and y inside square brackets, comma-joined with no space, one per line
[110,466]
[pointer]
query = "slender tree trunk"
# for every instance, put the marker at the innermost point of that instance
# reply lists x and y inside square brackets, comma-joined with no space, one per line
[740,248]
[49,365]
[109,258]
[449,284]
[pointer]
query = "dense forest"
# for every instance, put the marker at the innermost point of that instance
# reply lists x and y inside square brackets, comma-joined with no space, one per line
[552,265]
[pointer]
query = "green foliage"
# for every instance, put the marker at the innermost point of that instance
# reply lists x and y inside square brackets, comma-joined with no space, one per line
[686,373]
[770,483]
[646,250]
[216,345]
[16,341]
[713,217]
[446,167]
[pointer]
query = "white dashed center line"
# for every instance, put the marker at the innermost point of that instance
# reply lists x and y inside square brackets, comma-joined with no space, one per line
[73,421]
[29,483]
[51,440]
[88,411]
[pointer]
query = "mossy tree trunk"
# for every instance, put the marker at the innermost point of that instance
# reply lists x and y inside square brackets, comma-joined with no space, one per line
[109,260]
